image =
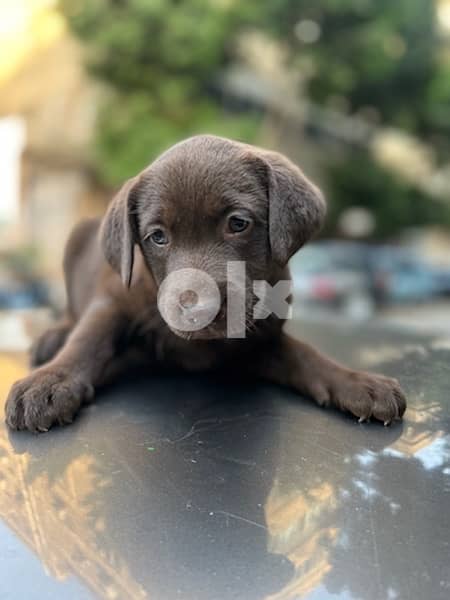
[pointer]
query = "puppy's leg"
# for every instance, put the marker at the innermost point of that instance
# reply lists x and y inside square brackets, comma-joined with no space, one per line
[50,343]
[298,365]
[54,392]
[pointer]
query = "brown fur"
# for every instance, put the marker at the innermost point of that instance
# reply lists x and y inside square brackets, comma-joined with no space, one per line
[113,273]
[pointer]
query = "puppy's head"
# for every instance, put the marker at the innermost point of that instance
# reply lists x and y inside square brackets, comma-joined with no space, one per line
[211,216]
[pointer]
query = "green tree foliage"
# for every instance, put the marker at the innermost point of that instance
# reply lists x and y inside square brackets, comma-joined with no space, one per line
[395,203]
[384,60]
[162,58]
[374,53]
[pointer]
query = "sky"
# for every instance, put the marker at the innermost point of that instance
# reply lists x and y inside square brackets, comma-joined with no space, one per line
[25,25]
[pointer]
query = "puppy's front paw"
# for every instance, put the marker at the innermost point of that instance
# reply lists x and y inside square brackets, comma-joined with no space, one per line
[47,396]
[366,395]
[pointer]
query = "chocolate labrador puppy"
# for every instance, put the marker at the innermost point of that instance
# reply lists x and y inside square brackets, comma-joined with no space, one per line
[198,240]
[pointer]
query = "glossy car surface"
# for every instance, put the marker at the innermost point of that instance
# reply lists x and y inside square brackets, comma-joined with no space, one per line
[195,488]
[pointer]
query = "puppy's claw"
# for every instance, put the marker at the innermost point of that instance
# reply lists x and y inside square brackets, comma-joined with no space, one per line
[42,429]
[387,423]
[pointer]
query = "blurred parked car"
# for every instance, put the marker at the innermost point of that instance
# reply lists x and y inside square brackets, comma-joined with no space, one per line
[336,275]
[356,278]
[443,281]
[402,276]
[19,290]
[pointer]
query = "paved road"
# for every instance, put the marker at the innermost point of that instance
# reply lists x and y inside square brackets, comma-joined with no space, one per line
[433,317]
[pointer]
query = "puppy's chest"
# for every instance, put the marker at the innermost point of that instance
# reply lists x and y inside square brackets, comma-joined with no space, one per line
[187,355]
[164,347]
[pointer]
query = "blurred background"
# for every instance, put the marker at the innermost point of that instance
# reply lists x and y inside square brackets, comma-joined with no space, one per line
[356,91]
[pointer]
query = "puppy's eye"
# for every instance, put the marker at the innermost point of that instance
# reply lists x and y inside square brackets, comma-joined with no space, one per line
[237,224]
[158,237]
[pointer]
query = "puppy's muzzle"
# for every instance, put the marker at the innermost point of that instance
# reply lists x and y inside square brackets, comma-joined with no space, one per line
[196,310]
[190,300]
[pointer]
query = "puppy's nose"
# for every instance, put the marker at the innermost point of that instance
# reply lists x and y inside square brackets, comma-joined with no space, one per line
[196,309]
[188,299]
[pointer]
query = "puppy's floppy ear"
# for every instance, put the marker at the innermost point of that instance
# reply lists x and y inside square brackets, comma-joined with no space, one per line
[118,231]
[296,207]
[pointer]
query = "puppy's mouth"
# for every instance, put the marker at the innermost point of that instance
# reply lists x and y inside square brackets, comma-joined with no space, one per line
[193,315]
[215,330]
